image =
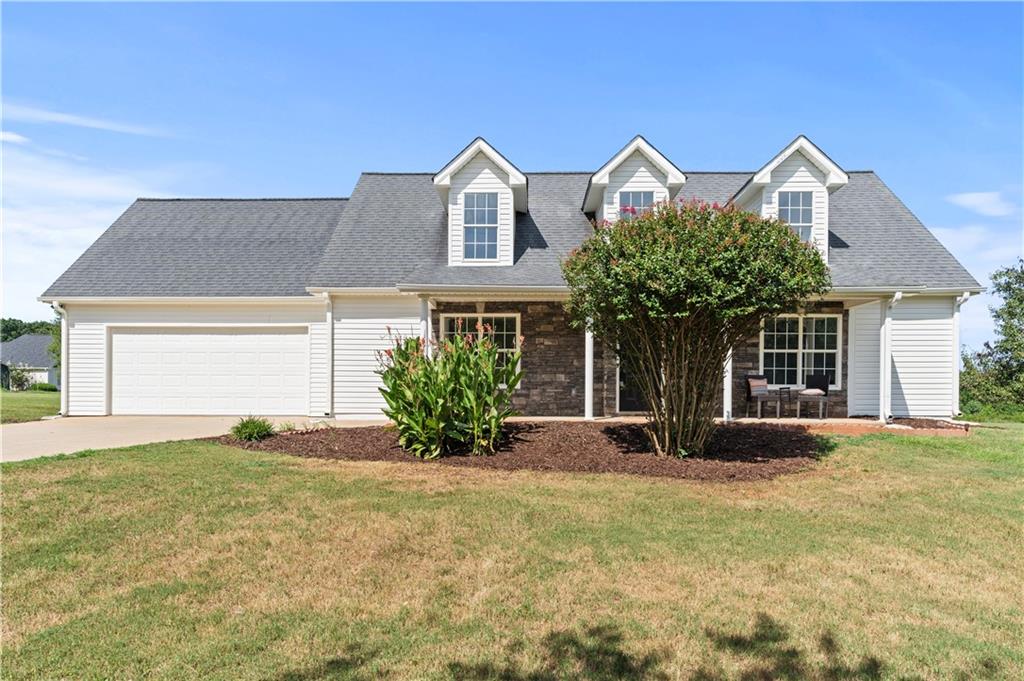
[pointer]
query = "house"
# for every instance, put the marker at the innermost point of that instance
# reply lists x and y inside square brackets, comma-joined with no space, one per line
[278,306]
[31,352]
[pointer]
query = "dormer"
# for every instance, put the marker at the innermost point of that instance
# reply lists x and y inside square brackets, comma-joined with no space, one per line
[481,191]
[794,187]
[632,181]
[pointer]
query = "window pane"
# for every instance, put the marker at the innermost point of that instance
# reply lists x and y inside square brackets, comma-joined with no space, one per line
[783,199]
[492,200]
[492,251]
[492,216]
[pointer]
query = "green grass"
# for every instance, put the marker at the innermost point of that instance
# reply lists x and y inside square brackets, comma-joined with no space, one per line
[899,557]
[27,405]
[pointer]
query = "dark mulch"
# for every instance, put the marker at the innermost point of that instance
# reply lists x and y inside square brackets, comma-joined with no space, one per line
[737,452]
[930,424]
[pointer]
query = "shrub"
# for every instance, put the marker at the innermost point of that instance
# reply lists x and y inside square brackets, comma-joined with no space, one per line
[457,398]
[19,378]
[43,387]
[674,289]
[286,427]
[252,429]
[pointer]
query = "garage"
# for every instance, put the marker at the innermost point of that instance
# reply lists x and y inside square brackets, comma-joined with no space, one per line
[210,371]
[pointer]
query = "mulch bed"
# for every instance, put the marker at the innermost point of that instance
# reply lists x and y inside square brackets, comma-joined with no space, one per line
[930,424]
[737,452]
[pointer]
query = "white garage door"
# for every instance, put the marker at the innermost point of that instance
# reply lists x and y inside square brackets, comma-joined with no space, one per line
[210,371]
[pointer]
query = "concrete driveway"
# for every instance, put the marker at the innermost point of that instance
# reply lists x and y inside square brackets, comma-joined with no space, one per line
[22,441]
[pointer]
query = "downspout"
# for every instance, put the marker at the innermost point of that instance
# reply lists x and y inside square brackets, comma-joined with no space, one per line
[64,369]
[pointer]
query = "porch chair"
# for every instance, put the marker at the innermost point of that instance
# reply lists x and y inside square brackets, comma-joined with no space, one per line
[757,391]
[816,390]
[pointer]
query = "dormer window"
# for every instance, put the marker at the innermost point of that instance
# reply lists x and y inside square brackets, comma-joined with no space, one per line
[795,209]
[634,203]
[480,226]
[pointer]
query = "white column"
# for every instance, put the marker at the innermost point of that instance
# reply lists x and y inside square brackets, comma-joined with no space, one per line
[65,370]
[329,318]
[884,359]
[956,351]
[727,389]
[425,327]
[588,373]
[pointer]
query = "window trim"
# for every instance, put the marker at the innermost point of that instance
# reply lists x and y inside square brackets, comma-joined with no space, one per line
[800,347]
[791,225]
[496,226]
[445,316]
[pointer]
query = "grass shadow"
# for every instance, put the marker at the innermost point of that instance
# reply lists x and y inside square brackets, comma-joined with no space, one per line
[597,655]
[749,443]
[350,665]
[769,654]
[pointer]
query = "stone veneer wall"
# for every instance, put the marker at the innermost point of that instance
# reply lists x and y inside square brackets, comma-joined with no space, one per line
[746,359]
[553,359]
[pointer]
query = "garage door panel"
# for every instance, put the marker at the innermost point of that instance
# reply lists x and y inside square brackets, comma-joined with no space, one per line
[210,371]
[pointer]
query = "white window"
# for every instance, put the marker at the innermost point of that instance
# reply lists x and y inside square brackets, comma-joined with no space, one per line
[503,329]
[634,203]
[793,346]
[480,226]
[795,210]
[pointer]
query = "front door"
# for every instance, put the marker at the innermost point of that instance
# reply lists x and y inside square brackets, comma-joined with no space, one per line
[630,397]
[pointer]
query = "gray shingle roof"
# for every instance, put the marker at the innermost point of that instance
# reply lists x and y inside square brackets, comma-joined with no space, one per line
[205,247]
[30,350]
[392,231]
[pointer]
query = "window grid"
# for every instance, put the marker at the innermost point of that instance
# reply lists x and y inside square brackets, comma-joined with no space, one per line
[480,226]
[797,211]
[502,329]
[635,203]
[793,347]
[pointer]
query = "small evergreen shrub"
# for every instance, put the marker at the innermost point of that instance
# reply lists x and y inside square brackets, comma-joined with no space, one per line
[43,387]
[252,429]
[457,399]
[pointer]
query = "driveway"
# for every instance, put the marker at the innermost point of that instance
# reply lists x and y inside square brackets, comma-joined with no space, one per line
[68,435]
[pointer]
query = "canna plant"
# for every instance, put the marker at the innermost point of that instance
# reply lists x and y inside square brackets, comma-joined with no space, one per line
[454,400]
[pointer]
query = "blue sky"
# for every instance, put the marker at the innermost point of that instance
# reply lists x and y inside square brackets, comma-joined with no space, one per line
[103,103]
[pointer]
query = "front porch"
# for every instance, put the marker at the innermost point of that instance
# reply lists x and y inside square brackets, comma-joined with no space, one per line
[568,373]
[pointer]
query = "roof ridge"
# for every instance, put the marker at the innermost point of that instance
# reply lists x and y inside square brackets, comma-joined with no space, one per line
[258,198]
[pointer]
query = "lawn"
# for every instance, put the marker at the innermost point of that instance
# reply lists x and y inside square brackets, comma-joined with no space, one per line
[27,405]
[896,557]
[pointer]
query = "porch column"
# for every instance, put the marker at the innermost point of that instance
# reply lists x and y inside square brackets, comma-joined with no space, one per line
[588,373]
[329,321]
[956,351]
[727,389]
[885,358]
[426,329]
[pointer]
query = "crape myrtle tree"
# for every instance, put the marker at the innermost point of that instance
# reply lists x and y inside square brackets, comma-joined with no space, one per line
[674,289]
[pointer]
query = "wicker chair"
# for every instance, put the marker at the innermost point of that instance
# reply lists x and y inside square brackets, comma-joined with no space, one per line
[816,383]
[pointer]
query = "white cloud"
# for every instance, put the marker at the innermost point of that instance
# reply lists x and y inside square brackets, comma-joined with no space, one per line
[982,249]
[12,137]
[990,204]
[28,114]
[53,209]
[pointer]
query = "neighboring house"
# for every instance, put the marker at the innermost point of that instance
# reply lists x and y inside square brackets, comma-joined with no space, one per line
[278,306]
[31,352]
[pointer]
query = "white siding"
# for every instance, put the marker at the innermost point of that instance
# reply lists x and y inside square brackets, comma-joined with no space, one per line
[481,175]
[88,373]
[637,174]
[360,331]
[865,349]
[319,368]
[922,357]
[797,174]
